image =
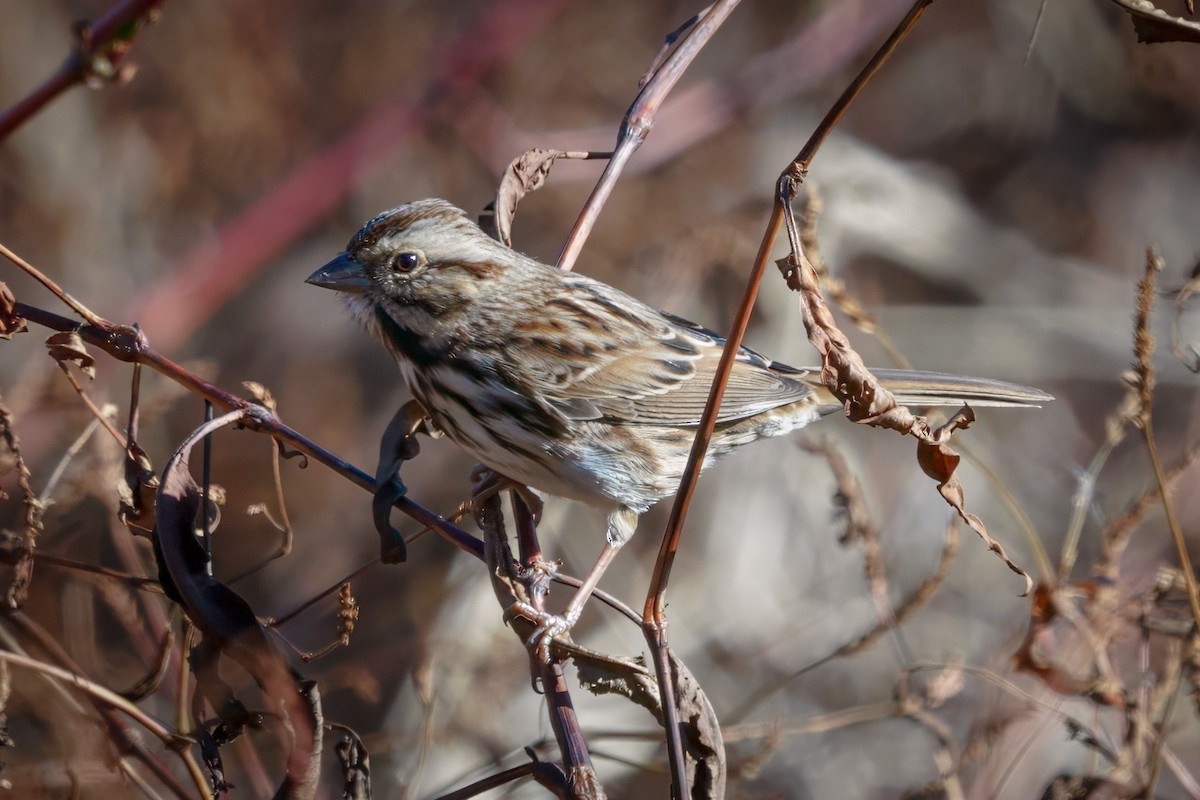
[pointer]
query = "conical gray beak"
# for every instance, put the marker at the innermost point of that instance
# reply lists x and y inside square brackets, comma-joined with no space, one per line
[343,274]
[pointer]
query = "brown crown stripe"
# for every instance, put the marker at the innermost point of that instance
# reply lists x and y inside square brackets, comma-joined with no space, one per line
[403,218]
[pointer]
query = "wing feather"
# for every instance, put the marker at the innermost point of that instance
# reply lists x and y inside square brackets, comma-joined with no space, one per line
[606,356]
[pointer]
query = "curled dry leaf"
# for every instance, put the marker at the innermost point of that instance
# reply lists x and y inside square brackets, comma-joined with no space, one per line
[707,765]
[527,173]
[842,369]
[227,622]
[136,491]
[355,760]
[67,346]
[939,462]
[1155,26]
[869,403]
[630,677]
[397,445]
[936,458]
[10,321]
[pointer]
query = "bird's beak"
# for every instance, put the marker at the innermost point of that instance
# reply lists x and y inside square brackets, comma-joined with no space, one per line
[343,274]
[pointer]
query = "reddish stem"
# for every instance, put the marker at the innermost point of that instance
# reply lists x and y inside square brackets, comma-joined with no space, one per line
[93,41]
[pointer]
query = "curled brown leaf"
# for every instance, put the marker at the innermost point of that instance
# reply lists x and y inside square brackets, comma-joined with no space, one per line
[10,321]
[66,347]
[136,491]
[526,173]
[226,621]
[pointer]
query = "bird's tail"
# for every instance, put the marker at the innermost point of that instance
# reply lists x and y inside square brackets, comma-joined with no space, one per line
[914,388]
[911,388]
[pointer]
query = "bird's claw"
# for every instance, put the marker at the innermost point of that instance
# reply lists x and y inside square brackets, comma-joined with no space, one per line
[549,627]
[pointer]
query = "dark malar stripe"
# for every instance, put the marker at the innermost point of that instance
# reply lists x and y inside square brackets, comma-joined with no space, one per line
[411,345]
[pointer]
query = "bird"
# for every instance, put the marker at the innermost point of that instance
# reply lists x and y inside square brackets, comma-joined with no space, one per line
[569,385]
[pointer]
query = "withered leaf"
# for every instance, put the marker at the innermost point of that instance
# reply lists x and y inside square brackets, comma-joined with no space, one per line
[10,321]
[937,461]
[67,346]
[136,491]
[936,458]
[527,173]
[226,621]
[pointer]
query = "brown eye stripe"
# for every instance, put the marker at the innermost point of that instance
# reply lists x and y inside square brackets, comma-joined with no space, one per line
[478,269]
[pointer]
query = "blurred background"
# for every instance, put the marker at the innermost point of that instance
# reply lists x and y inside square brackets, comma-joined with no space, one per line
[991,211]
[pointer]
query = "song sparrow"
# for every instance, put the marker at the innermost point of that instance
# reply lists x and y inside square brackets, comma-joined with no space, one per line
[566,384]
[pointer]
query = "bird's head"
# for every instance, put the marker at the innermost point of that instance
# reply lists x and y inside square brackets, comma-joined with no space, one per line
[426,256]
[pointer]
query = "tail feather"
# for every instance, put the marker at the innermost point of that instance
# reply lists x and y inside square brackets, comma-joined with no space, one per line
[938,389]
[914,388]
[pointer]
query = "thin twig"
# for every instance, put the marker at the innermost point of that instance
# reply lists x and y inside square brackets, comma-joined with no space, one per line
[102,693]
[60,468]
[1143,370]
[99,50]
[39,276]
[654,614]
[129,344]
[639,119]
[134,581]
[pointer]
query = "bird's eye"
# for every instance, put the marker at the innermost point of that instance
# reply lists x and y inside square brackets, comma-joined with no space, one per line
[408,261]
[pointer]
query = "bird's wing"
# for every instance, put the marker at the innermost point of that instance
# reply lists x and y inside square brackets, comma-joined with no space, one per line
[600,354]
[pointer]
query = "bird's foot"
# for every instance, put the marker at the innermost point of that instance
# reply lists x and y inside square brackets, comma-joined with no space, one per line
[549,627]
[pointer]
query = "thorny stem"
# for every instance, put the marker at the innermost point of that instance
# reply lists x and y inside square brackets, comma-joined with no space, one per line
[572,746]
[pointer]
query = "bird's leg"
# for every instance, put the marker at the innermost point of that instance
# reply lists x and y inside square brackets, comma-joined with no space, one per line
[621,525]
[399,444]
[486,483]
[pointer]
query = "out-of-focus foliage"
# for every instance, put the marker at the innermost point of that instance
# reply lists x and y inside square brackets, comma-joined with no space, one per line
[991,214]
